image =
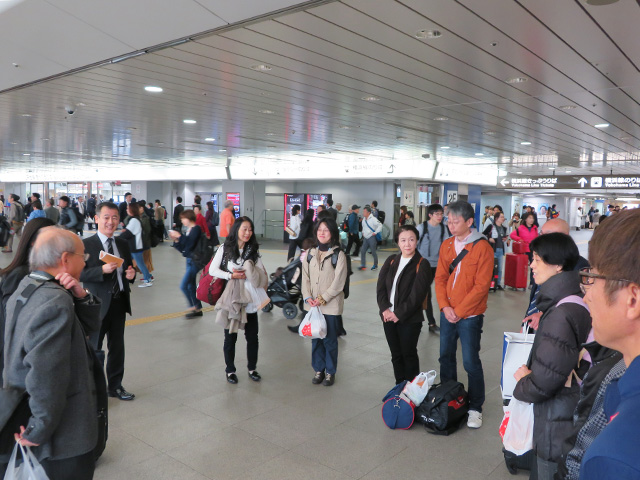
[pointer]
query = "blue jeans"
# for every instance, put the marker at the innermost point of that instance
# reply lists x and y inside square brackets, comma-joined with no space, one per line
[324,351]
[137,256]
[188,284]
[469,331]
[369,244]
[499,254]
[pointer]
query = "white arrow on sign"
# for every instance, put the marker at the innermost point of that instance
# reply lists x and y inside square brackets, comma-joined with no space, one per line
[504,182]
[583,181]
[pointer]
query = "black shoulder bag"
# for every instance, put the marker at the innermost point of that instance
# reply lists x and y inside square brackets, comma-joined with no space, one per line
[461,255]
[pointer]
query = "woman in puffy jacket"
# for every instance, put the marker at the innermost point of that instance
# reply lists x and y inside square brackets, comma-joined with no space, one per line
[526,233]
[548,380]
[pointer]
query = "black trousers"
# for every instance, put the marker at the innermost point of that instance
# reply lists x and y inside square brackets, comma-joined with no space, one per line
[251,335]
[353,239]
[293,245]
[402,339]
[74,468]
[113,328]
[430,318]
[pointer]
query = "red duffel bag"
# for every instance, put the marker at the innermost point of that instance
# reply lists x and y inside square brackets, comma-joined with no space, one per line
[209,288]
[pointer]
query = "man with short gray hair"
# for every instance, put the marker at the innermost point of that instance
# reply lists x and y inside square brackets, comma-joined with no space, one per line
[371,227]
[47,355]
[227,217]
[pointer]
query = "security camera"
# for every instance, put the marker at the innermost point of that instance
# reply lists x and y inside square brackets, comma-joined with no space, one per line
[426,155]
[70,110]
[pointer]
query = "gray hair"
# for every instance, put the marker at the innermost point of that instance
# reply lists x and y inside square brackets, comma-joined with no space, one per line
[461,209]
[368,208]
[48,254]
[228,204]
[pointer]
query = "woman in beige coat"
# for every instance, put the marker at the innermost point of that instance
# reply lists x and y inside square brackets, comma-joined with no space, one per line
[324,273]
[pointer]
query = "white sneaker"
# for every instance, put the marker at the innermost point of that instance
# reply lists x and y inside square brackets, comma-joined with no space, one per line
[145,284]
[475,419]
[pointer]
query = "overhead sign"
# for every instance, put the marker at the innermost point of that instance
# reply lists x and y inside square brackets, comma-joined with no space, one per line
[579,182]
[472,174]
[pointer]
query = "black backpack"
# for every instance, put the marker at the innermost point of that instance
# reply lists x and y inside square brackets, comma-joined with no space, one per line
[80,225]
[381,216]
[444,409]
[202,254]
[5,231]
[334,262]
[425,232]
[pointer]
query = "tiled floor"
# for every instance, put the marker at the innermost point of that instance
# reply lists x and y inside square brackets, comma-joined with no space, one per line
[188,423]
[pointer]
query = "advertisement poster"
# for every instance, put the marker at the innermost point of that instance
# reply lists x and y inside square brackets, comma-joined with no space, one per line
[315,199]
[291,199]
[235,198]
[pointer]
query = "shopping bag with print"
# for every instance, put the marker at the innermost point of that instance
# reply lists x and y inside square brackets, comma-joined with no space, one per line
[516,348]
[518,436]
[314,324]
[417,390]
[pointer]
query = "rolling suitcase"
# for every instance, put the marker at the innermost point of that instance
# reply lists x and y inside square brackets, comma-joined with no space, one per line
[520,247]
[515,270]
[494,279]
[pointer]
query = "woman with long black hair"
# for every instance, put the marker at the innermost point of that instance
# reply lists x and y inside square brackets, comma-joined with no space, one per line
[186,244]
[324,273]
[306,227]
[239,259]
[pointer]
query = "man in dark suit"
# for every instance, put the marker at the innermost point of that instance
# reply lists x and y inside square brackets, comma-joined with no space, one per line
[110,283]
[122,208]
[177,210]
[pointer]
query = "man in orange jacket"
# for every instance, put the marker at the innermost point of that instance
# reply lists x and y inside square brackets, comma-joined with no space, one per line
[462,293]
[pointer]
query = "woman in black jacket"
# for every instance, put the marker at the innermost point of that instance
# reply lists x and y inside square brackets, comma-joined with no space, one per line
[547,379]
[403,285]
[186,244]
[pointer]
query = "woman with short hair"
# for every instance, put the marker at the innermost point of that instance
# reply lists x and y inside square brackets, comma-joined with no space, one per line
[186,244]
[547,379]
[324,274]
[403,285]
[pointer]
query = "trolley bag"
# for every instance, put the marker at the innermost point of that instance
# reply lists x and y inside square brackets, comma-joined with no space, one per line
[398,412]
[515,270]
[520,247]
[445,409]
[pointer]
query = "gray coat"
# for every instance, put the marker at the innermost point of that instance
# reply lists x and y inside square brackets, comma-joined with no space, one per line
[46,354]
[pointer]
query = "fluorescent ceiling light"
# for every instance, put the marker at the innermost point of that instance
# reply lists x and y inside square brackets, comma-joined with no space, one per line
[267,112]
[189,122]
[209,139]
[26,154]
[261,68]
[525,143]
[601,125]
[445,148]
[552,168]
[479,154]
[370,98]
[441,119]
[516,80]
[222,150]
[567,107]
[152,89]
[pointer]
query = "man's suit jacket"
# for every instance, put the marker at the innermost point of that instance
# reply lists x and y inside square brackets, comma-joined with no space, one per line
[97,282]
[177,210]
[122,209]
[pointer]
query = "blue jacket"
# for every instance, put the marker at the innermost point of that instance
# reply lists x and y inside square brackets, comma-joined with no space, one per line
[614,453]
[354,228]
[36,214]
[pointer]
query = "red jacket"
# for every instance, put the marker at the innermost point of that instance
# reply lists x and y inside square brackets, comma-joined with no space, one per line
[524,235]
[202,223]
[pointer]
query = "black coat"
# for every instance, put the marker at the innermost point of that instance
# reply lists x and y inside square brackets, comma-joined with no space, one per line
[412,288]
[97,282]
[177,210]
[556,349]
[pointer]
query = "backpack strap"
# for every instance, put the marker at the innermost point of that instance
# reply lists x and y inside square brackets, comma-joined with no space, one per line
[425,231]
[573,299]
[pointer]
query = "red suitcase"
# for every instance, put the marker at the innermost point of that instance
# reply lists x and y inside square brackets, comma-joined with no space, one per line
[519,247]
[515,270]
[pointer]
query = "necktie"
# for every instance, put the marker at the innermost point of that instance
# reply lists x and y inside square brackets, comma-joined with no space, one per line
[115,285]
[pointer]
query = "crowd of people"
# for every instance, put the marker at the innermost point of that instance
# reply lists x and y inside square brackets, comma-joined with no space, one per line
[60,300]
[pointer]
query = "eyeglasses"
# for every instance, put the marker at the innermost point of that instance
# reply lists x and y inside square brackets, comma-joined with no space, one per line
[588,278]
[86,256]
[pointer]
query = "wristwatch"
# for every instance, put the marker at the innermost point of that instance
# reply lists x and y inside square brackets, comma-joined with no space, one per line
[88,299]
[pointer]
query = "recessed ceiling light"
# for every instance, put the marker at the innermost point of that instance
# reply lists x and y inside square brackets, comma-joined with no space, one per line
[370,98]
[568,171]
[489,132]
[14,143]
[209,139]
[552,168]
[271,146]
[266,112]
[441,119]
[189,122]
[26,154]
[152,89]
[45,139]
[159,143]
[445,148]
[519,173]
[516,80]
[25,115]
[345,127]
[525,143]
[270,134]
[567,107]
[428,34]
[479,154]
[222,150]
[601,125]
[261,67]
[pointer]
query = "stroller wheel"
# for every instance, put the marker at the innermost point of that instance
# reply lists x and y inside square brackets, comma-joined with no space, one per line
[268,307]
[290,311]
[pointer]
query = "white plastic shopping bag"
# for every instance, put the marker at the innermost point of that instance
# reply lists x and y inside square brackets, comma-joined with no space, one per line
[417,390]
[29,469]
[515,353]
[314,325]
[518,436]
[258,296]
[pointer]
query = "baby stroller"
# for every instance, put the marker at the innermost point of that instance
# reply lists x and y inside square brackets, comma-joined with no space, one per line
[285,290]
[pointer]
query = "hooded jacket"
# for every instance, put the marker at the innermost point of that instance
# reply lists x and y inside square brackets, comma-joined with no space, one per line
[466,290]
[554,355]
[319,277]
